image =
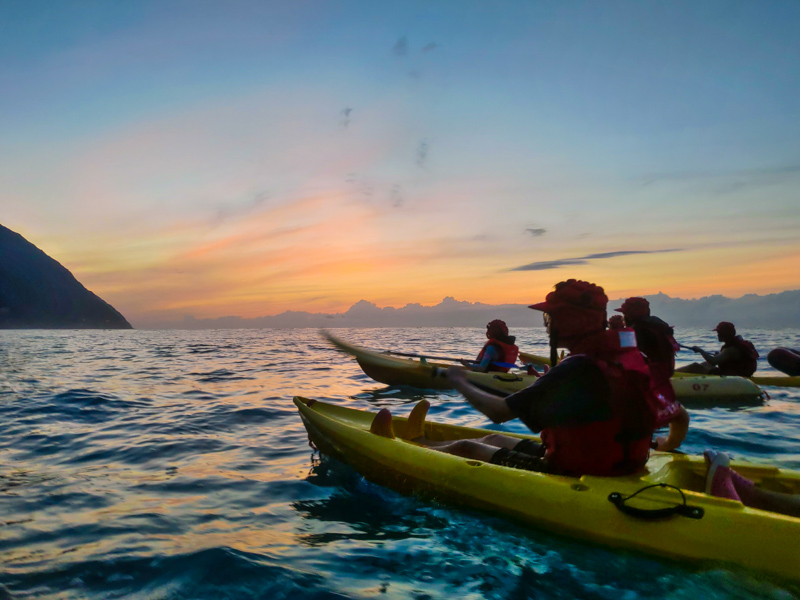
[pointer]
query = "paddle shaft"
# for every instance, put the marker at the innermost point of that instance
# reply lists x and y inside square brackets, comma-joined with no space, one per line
[447,358]
[686,347]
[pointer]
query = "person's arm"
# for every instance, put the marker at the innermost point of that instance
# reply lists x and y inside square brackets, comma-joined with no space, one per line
[727,355]
[490,405]
[678,428]
[707,356]
[489,357]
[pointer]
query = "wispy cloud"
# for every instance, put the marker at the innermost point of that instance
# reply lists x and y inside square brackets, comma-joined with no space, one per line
[583,260]
[401,46]
[422,152]
[726,180]
[536,232]
[229,211]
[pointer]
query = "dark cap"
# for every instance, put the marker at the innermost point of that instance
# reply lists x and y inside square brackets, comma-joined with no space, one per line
[635,308]
[724,327]
[574,294]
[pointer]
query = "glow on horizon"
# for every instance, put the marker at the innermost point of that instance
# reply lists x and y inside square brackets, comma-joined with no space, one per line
[279,159]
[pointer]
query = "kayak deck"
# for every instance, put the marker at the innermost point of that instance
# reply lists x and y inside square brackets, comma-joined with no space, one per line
[578,507]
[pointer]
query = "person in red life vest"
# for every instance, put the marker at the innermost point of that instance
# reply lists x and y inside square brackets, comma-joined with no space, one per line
[616,322]
[655,340]
[786,360]
[499,350]
[736,357]
[594,409]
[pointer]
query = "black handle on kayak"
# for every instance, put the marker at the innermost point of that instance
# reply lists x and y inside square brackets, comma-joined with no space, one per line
[684,510]
[508,378]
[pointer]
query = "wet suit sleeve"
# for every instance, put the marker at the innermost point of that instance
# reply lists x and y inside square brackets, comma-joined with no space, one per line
[574,392]
[489,356]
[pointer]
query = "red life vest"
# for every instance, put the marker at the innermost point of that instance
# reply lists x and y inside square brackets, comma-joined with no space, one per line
[620,445]
[506,353]
[745,364]
[655,340]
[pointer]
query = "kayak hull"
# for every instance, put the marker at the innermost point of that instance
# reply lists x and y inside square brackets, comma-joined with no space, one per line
[698,391]
[576,507]
[774,380]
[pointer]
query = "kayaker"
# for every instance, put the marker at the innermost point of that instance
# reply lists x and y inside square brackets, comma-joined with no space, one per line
[616,322]
[736,357]
[724,482]
[499,348]
[655,340]
[786,360]
[594,409]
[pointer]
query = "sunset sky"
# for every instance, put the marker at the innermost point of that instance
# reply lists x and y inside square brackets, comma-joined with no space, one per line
[213,158]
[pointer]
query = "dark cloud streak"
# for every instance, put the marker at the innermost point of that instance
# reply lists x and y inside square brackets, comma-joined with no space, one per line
[401,47]
[583,260]
[536,232]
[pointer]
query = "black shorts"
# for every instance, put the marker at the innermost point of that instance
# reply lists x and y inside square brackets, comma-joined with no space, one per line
[530,447]
[526,455]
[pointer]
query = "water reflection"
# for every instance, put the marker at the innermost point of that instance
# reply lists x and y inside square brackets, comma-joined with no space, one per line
[398,394]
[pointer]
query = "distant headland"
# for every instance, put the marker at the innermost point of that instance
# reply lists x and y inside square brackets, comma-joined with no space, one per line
[37,292]
[772,311]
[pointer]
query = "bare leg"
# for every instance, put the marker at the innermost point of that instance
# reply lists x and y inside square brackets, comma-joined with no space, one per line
[750,495]
[483,449]
[497,449]
[382,425]
[496,440]
[785,504]
[697,368]
[468,449]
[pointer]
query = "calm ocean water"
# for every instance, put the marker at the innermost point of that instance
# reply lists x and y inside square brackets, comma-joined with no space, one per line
[173,465]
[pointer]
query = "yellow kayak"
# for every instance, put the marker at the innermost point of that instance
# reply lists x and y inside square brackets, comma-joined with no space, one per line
[697,391]
[776,380]
[706,530]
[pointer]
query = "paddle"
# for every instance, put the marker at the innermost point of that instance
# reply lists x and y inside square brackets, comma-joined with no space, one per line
[449,359]
[692,348]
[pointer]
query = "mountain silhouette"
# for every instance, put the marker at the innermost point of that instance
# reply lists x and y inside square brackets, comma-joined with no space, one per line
[772,311]
[37,292]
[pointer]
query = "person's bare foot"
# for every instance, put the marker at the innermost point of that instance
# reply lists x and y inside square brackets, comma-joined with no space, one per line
[718,478]
[382,424]
[415,427]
